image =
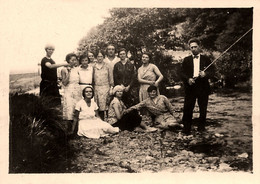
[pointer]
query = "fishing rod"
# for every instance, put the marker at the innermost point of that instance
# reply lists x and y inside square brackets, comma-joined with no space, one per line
[227,50]
[178,86]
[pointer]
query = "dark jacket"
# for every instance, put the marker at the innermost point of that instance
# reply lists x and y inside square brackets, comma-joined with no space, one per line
[124,74]
[201,84]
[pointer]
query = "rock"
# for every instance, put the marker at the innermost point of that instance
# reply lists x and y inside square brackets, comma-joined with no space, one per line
[223,167]
[184,152]
[148,158]
[168,151]
[193,142]
[219,135]
[243,155]
[213,160]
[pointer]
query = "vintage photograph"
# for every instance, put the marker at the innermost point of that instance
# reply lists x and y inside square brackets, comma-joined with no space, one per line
[122,89]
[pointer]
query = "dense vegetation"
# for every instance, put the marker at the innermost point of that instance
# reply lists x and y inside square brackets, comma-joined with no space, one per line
[162,29]
[38,141]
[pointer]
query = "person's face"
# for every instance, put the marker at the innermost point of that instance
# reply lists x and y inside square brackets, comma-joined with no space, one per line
[49,51]
[91,57]
[111,50]
[139,54]
[122,55]
[88,93]
[100,58]
[152,94]
[194,47]
[145,59]
[73,61]
[119,93]
[84,62]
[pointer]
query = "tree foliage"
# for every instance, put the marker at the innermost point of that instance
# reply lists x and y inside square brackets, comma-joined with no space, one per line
[157,29]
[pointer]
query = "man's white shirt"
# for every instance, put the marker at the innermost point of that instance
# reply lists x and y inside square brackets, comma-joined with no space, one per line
[196,64]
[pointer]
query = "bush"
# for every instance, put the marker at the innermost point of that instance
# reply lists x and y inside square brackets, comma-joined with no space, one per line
[169,69]
[38,142]
[236,67]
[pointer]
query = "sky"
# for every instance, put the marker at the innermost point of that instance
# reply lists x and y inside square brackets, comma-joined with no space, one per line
[30,25]
[26,26]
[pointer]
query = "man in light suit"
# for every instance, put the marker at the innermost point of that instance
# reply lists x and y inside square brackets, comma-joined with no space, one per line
[196,85]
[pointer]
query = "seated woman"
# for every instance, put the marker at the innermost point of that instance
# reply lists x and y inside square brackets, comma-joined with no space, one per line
[160,107]
[116,115]
[86,115]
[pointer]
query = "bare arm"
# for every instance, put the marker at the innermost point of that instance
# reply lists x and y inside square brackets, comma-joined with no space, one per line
[49,65]
[65,75]
[117,111]
[159,74]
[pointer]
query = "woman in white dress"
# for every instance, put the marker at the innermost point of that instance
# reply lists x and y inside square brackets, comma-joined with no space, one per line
[86,115]
[70,81]
[85,72]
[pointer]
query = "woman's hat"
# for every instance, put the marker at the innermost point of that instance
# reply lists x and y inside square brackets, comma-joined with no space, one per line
[117,88]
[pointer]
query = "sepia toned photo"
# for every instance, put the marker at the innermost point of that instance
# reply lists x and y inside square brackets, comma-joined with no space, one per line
[100,91]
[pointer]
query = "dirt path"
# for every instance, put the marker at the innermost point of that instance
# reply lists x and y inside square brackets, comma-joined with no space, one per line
[225,147]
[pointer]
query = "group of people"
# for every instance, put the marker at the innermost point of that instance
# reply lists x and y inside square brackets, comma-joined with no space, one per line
[100,91]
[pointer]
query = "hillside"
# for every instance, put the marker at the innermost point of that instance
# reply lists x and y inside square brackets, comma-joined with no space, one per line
[23,82]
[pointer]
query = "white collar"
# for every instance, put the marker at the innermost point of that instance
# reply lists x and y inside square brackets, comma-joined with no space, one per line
[194,55]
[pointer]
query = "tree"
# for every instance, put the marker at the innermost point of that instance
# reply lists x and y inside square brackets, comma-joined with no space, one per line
[160,29]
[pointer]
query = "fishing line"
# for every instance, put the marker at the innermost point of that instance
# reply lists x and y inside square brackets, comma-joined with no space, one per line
[227,50]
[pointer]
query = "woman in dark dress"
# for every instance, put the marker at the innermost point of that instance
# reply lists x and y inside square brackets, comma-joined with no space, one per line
[49,85]
[124,74]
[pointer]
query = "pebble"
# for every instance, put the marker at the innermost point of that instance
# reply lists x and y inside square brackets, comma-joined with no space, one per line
[224,167]
[243,155]
[219,135]
[147,158]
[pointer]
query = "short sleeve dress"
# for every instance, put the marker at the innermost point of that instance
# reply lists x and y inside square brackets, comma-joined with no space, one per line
[89,125]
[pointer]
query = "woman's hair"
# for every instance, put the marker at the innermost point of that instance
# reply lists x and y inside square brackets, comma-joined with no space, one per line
[69,56]
[83,91]
[91,53]
[120,50]
[148,54]
[151,88]
[83,57]
[102,52]
[49,46]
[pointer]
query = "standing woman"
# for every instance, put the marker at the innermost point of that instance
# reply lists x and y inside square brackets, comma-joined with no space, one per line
[49,85]
[103,84]
[92,59]
[124,74]
[70,81]
[148,74]
[85,72]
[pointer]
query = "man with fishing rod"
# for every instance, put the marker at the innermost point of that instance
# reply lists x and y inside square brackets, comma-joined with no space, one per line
[196,85]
